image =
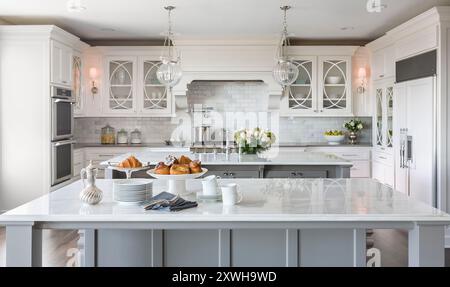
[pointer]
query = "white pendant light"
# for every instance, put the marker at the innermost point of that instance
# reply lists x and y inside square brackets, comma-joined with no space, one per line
[285,71]
[169,72]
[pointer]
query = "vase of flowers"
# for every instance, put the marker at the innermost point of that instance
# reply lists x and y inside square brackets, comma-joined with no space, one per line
[254,141]
[354,127]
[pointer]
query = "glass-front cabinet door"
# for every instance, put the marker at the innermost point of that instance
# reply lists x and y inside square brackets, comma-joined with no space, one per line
[389,115]
[121,73]
[77,83]
[156,99]
[301,96]
[384,115]
[379,93]
[335,86]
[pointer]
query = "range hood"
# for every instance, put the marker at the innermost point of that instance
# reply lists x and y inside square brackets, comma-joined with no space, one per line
[229,96]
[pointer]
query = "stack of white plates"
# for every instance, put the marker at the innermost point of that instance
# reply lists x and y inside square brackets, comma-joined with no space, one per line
[132,190]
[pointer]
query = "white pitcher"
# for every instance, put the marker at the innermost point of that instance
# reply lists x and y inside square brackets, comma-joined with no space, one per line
[90,194]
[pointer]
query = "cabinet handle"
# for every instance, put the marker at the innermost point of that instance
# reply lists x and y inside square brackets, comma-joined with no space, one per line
[381,76]
[231,174]
[293,174]
[226,174]
[382,157]
[350,155]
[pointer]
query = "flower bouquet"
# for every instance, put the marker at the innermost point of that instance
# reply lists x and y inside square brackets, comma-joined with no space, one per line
[354,126]
[253,141]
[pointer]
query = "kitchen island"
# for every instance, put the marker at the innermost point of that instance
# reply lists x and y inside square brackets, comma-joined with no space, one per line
[280,222]
[275,163]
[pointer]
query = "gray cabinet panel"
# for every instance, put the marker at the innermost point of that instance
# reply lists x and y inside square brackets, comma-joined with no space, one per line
[326,248]
[258,248]
[191,248]
[124,248]
[296,172]
[235,171]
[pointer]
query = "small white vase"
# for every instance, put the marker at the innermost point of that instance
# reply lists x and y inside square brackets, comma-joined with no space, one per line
[90,194]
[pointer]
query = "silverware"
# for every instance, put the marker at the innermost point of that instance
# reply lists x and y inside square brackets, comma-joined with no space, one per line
[164,202]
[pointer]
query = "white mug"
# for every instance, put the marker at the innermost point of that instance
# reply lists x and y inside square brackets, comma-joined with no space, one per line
[210,185]
[231,195]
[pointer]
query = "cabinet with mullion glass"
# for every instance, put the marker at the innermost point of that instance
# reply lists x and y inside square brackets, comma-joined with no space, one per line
[156,98]
[384,99]
[335,86]
[301,97]
[121,85]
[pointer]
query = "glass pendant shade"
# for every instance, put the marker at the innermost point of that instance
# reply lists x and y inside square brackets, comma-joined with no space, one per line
[169,73]
[285,73]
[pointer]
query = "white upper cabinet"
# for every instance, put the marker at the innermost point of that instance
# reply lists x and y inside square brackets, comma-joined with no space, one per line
[335,86]
[155,99]
[301,96]
[383,133]
[323,88]
[77,83]
[61,64]
[383,63]
[120,90]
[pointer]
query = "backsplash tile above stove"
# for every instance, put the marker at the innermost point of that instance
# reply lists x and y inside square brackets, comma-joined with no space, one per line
[157,130]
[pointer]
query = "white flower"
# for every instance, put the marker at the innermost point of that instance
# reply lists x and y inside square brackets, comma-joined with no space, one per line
[360,127]
[352,123]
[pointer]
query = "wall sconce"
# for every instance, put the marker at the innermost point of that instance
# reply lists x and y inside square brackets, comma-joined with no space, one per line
[93,74]
[362,75]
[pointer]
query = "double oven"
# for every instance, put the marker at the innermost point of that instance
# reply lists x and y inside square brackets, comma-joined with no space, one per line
[62,127]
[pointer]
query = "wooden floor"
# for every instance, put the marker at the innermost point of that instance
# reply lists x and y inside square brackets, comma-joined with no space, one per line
[393,245]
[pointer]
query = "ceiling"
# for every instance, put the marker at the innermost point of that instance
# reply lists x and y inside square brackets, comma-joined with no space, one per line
[146,19]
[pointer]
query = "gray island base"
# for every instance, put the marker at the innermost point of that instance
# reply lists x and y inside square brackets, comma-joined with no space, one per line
[274,164]
[280,222]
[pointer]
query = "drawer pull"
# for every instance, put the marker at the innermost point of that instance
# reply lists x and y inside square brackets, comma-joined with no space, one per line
[382,157]
[350,155]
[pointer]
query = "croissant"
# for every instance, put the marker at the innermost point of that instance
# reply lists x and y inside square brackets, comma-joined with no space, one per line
[130,162]
[184,160]
[162,168]
[195,166]
[180,169]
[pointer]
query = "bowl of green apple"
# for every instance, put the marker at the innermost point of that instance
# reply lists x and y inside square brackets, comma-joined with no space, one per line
[334,137]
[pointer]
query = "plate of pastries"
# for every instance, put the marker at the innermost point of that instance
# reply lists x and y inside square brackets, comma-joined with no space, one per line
[130,163]
[181,168]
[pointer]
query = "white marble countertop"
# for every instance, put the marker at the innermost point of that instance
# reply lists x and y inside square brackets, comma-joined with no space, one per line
[273,157]
[264,200]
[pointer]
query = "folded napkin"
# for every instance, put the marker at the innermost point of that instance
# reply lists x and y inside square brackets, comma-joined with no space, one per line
[168,201]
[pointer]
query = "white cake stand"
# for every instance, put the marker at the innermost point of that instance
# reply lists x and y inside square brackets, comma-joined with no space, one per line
[176,184]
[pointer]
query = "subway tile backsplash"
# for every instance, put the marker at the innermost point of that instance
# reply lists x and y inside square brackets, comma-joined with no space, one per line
[156,130]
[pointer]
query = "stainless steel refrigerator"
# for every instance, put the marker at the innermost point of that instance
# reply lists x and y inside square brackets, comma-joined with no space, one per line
[415,138]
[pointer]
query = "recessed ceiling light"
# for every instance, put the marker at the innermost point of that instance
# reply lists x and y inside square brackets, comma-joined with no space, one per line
[75,6]
[347,28]
[107,30]
[375,6]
